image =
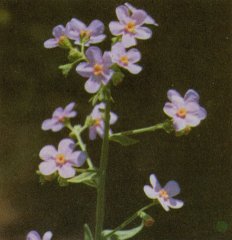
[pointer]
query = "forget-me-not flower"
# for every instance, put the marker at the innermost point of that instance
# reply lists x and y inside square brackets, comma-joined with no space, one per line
[62,160]
[126,59]
[163,194]
[97,69]
[98,125]
[78,31]
[185,111]
[59,116]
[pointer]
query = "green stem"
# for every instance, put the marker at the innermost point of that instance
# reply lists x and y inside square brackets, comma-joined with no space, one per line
[141,130]
[130,219]
[100,210]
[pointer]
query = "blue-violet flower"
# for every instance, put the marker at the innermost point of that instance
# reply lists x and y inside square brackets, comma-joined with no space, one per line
[185,112]
[59,116]
[97,69]
[164,195]
[97,126]
[126,59]
[58,32]
[62,160]
[79,32]
[130,26]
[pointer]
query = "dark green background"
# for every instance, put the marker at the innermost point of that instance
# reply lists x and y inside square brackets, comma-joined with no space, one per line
[190,49]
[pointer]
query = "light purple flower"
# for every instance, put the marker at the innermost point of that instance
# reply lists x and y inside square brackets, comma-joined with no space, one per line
[33,235]
[148,20]
[163,195]
[62,160]
[126,59]
[98,121]
[59,116]
[79,32]
[97,69]
[58,32]
[186,112]
[130,26]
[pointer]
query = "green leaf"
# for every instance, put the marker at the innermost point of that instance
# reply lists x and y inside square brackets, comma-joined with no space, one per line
[123,234]
[83,177]
[66,68]
[123,140]
[87,233]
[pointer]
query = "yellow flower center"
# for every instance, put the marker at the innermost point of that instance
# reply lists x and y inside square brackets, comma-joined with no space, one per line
[97,69]
[130,27]
[124,60]
[85,33]
[60,159]
[97,121]
[163,194]
[181,112]
[61,119]
[62,39]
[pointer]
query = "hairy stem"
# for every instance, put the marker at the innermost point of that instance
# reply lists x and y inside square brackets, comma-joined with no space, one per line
[100,211]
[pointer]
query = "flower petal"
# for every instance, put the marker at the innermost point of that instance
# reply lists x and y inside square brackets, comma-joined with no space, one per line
[175,98]
[92,85]
[116,28]
[192,120]
[58,112]
[191,96]
[84,69]
[139,17]
[143,33]
[172,188]
[66,171]
[74,27]
[170,109]
[128,40]
[58,31]
[107,60]
[150,20]
[113,117]
[51,43]
[57,127]
[149,191]
[164,204]
[97,39]
[134,68]
[33,235]
[92,133]
[48,152]
[78,158]
[100,129]
[47,168]
[179,123]
[69,107]
[96,27]
[94,55]
[122,14]
[174,203]
[47,236]
[155,183]
[134,55]
[66,146]
[48,124]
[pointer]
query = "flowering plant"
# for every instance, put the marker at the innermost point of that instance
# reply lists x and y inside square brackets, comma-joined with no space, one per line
[71,163]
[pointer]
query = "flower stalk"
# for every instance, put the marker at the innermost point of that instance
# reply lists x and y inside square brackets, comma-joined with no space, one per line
[100,209]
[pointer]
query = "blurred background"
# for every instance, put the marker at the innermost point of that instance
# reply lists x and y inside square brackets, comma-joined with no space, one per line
[190,49]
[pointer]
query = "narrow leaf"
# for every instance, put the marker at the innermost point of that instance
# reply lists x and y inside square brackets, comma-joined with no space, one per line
[123,140]
[83,177]
[87,233]
[123,234]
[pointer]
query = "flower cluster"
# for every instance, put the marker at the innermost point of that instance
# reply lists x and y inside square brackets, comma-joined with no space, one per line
[95,65]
